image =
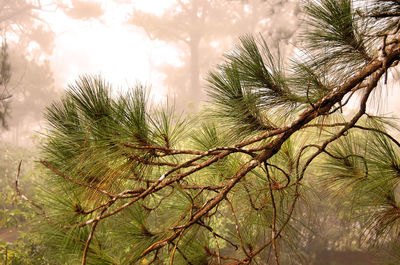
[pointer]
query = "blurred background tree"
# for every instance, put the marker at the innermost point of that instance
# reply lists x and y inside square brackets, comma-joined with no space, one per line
[27,41]
[26,87]
[5,75]
[29,45]
[201,30]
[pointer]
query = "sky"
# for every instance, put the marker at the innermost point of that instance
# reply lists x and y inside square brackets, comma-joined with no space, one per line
[120,52]
[123,54]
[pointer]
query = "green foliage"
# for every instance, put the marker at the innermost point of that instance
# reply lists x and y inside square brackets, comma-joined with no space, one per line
[128,182]
[368,169]
[17,237]
[12,211]
[25,251]
[250,88]
[335,29]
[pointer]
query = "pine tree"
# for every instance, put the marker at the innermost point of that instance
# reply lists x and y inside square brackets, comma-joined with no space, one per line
[132,183]
[194,27]
[5,75]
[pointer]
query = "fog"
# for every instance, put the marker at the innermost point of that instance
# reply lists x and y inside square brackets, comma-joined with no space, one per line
[167,45]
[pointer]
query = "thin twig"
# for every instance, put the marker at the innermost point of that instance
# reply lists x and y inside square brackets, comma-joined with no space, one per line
[175,247]
[23,197]
[46,164]
[274,214]
[209,228]
[237,227]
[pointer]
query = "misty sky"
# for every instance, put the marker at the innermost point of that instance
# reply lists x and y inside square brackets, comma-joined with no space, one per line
[122,53]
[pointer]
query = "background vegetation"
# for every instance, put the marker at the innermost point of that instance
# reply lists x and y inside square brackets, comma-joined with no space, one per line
[288,164]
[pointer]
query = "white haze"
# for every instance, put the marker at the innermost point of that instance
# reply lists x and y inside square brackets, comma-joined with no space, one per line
[120,52]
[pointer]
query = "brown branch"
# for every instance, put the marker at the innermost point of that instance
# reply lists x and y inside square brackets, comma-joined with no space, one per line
[175,247]
[207,207]
[169,151]
[156,163]
[348,156]
[5,97]
[58,173]
[237,227]
[384,15]
[274,214]
[159,201]
[318,125]
[154,258]
[277,185]
[88,241]
[280,135]
[218,249]
[158,185]
[251,199]
[277,234]
[20,194]
[122,195]
[273,147]
[308,115]
[215,234]
[378,131]
[35,205]
[210,253]
[373,83]
[84,256]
